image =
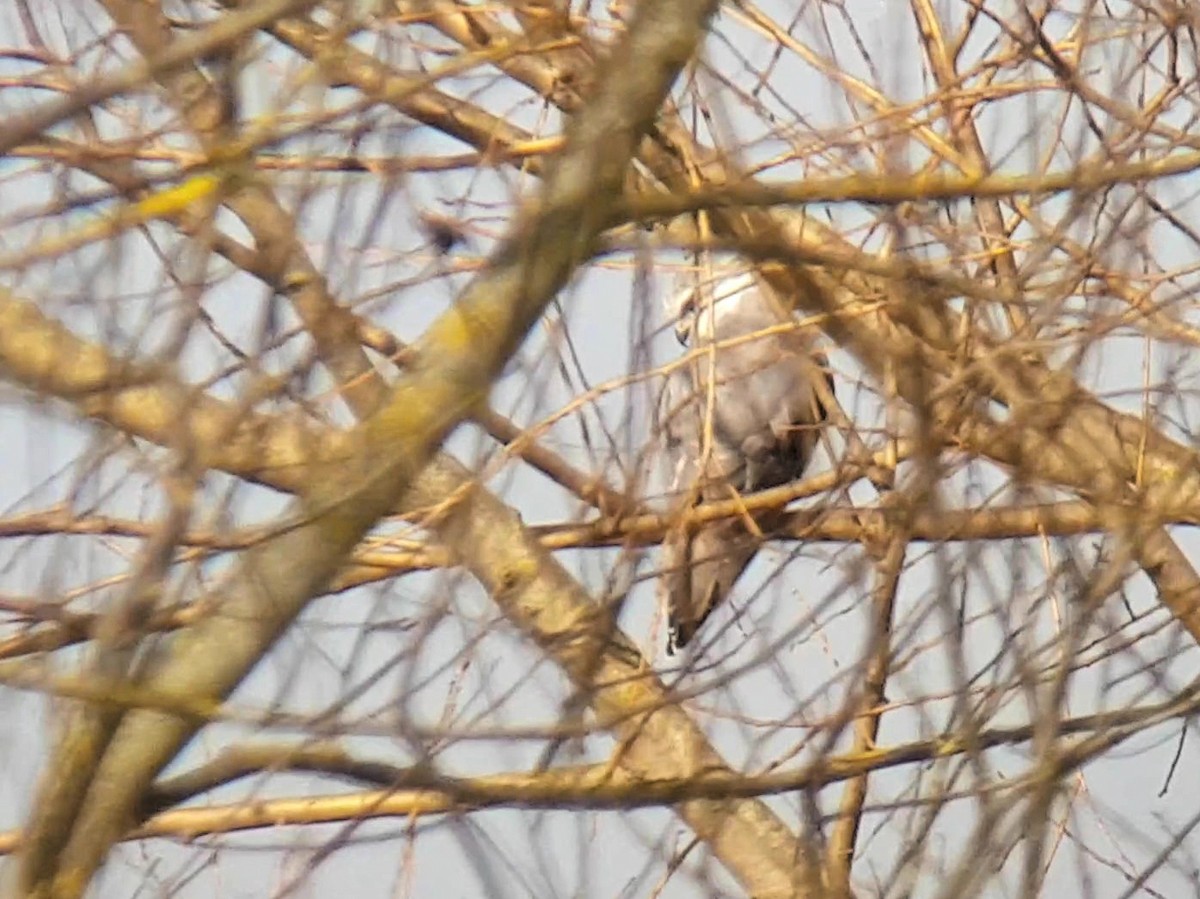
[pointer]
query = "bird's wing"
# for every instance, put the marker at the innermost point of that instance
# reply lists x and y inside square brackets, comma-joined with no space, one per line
[696,464]
[680,423]
[764,417]
[767,408]
[699,566]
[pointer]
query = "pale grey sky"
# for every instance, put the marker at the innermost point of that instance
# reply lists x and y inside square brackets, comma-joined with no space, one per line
[399,649]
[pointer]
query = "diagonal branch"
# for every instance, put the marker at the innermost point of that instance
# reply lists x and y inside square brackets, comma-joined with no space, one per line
[592,786]
[1057,432]
[185,52]
[870,702]
[456,361]
[1129,450]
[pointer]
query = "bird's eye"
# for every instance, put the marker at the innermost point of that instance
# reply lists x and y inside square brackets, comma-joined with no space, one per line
[688,308]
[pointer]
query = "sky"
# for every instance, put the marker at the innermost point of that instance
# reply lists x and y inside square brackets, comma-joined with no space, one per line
[384,665]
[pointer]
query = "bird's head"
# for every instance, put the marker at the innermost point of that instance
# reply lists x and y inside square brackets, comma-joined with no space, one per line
[697,309]
[681,307]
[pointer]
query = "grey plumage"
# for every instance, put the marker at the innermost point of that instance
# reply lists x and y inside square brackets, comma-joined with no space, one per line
[763,415]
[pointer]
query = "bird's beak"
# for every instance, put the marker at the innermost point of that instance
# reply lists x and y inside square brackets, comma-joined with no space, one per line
[683,331]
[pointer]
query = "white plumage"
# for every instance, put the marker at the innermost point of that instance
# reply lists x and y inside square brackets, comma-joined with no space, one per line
[763,417]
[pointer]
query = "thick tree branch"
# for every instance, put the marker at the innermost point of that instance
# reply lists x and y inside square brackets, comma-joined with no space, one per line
[456,361]
[420,792]
[1126,451]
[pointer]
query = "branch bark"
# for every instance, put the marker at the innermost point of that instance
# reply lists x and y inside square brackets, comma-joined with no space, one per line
[456,362]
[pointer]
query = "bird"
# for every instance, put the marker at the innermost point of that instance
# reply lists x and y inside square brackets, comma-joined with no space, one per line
[754,398]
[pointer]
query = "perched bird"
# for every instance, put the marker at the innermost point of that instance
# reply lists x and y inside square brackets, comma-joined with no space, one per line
[740,417]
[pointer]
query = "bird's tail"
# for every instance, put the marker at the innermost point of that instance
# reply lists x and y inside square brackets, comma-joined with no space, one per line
[699,571]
